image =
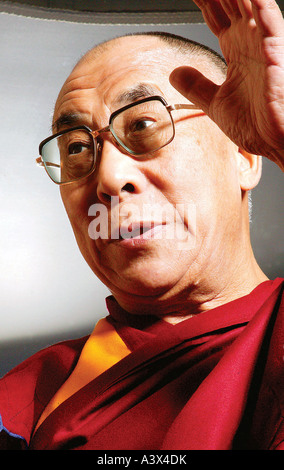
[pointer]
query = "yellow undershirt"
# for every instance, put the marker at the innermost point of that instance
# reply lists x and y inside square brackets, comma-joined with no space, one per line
[103,349]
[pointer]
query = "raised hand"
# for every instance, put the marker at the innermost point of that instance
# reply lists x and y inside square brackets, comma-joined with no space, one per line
[249,105]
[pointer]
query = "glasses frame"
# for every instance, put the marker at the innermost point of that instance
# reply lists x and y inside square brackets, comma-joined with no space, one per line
[108,128]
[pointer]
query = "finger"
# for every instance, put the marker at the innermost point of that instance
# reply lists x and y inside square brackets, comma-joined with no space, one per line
[245,8]
[231,8]
[214,15]
[268,17]
[194,86]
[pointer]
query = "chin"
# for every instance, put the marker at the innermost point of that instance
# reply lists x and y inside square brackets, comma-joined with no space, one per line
[145,287]
[143,277]
[146,290]
[158,301]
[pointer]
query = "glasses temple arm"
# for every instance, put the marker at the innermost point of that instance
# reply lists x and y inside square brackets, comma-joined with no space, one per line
[40,163]
[182,106]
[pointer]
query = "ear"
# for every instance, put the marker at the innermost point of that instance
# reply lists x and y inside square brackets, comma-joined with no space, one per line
[250,167]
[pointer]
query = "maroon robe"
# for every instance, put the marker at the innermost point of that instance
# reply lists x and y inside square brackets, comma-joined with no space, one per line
[214,381]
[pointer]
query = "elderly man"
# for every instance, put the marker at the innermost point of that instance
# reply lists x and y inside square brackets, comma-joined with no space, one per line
[155,175]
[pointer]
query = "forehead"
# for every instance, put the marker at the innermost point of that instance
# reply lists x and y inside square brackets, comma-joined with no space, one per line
[106,76]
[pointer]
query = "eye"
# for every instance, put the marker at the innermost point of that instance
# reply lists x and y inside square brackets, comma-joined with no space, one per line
[76,148]
[141,125]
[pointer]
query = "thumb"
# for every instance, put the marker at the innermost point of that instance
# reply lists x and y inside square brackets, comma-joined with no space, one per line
[194,86]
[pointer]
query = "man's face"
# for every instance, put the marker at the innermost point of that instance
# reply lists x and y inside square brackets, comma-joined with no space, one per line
[192,181]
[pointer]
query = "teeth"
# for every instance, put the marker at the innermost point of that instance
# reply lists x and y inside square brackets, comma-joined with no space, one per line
[137,231]
[145,229]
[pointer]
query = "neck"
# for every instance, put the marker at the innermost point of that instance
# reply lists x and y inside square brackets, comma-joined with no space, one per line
[208,299]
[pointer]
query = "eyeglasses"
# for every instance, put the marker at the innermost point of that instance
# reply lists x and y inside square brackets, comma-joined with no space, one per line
[140,128]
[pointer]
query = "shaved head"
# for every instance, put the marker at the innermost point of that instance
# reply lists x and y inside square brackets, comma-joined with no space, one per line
[179,44]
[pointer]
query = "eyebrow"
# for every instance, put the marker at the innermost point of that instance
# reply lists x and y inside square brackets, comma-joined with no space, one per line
[67,119]
[141,90]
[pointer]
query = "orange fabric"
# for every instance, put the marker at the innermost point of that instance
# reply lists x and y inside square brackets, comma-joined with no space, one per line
[103,349]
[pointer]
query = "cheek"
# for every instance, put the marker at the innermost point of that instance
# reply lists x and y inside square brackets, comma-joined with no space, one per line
[182,170]
[202,172]
[77,202]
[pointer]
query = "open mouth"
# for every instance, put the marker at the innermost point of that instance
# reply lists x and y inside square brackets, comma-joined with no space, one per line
[144,230]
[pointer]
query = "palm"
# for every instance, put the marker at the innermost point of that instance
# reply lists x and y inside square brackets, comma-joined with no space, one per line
[249,105]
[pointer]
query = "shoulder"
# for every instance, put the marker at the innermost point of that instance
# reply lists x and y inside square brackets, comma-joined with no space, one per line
[61,354]
[275,346]
[38,376]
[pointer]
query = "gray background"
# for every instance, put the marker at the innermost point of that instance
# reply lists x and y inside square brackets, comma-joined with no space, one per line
[47,291]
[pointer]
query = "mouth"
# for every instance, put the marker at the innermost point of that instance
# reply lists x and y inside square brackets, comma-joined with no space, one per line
[140,230]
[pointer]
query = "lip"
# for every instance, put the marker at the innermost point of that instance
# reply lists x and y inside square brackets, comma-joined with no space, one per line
[137,233]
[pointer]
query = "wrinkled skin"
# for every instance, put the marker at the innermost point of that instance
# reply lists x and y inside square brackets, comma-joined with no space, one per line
[201,167]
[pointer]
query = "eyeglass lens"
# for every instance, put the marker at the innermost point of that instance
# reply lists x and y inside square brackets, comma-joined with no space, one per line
[69,156]
[139,129]
[143,128]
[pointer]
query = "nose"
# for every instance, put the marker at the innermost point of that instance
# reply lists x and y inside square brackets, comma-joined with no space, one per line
[117,173]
